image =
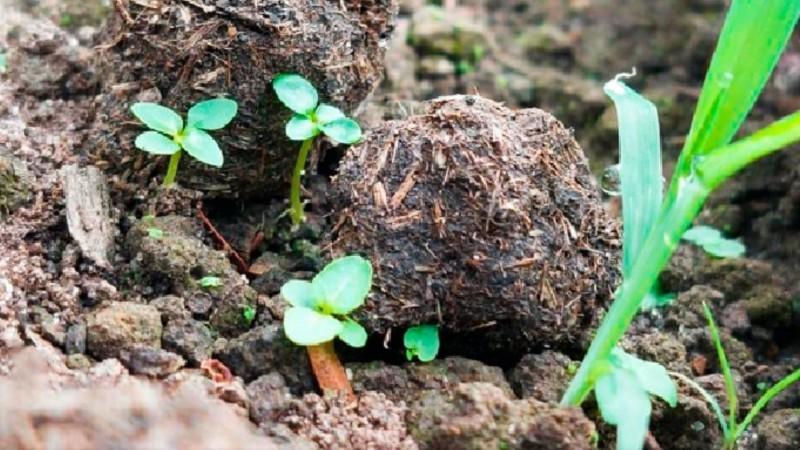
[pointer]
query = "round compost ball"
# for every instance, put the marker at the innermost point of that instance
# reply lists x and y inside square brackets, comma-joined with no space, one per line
[180,52]
[481,219]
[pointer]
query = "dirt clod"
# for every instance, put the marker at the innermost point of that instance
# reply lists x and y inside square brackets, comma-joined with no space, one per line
[542,376]
[479,416]
[122,325]
[481,219]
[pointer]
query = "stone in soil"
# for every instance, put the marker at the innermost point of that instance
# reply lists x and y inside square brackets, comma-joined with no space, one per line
[265,349]
[122,325]
[482,219]
[336,423]
[189,338]
[268,396]
[479,416]
[779,430]
[149,361]
[15,183]
[401,382]
[211,48]
[177,261]
[543,376]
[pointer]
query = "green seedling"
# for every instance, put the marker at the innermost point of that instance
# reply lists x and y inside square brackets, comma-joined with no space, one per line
[422,341]
[320,308]
[210,282]
[713,242]
[753,36]
[3,62]
[309,120]
[248,314]
[155,233]
[169,136]
[732,430]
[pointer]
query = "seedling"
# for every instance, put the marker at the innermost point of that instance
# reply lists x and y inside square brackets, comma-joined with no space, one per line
[210,282]
[752,38]
[155,233]
[422,341]
[248,314]
[310,119]
[731,430]
[713,242]
[169,136]
[319,308]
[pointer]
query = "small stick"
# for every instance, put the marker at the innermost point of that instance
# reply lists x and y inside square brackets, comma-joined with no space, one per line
[328,370]
[233,254]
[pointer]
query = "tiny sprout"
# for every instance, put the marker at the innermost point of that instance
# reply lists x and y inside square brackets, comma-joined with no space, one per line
[309,120]
[712,241]
[210,282]
[422,341]
[169,136]
[249,314]
[319,308]
[155,233]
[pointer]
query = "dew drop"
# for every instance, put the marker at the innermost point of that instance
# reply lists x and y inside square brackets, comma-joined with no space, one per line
[610,182]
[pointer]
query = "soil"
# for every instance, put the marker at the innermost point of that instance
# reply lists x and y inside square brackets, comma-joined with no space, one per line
[473,193]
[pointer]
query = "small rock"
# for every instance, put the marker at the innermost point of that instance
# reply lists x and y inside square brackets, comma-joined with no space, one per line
[199,304]
[149,361]
[268,394]
[78,361]
[479,416]
[122,325]
[542,376]
[780,430]
[659,347]
[15,183]
[233,392]
[76,339]
[734,317]
[265,349]
[400,382]
[171,307]
[190,339]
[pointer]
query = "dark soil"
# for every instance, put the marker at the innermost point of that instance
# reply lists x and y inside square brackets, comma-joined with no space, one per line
[481,217]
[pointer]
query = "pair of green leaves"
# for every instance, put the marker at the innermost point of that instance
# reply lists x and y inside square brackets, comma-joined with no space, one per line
[169,135]
[713,242]
[320,307]
[623,395]
[311,117]
[422,341]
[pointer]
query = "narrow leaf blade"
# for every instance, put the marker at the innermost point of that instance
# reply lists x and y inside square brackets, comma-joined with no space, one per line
[753,36]
[640,167]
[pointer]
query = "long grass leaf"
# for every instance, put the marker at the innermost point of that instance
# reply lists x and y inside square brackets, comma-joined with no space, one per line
[639,167]
[725,161]
[730,385]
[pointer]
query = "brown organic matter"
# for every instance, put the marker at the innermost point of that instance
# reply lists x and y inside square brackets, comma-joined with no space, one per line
[178,52]
[481,219]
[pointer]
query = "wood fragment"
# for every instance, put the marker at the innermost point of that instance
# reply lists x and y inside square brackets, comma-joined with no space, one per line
[379,195]
[405,187]
[88,210]
[328,370]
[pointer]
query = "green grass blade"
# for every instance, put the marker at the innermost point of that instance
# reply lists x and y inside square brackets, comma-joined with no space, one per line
[776,389]
[725,161]
[723,425]
[730,386]
[640,167]
[753,37]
